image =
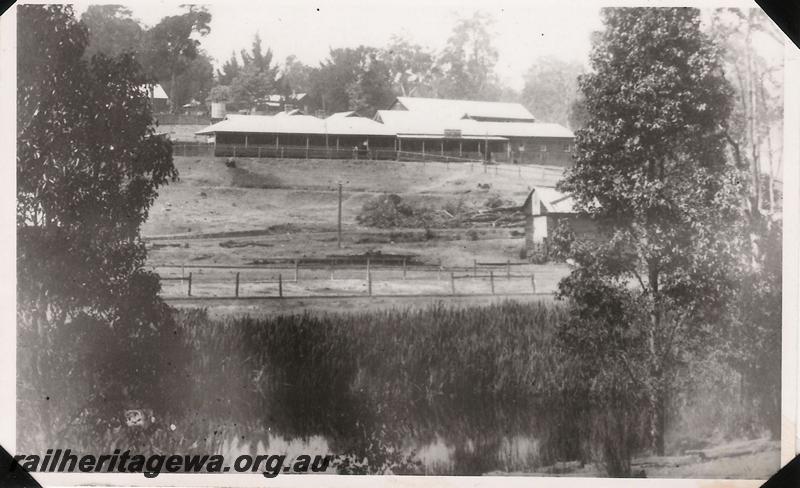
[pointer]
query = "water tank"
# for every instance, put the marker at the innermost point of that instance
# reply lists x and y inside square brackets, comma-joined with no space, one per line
[218,110]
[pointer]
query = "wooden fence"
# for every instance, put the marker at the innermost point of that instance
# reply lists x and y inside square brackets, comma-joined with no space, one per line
[312,278]
[549,174]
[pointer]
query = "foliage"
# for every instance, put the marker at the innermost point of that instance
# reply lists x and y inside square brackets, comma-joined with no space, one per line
[352,79]
[195,83]
[562,241]
[412,68]
[88,169]
[230,70]
[468,60]
[651,167]
[112,31]
[551,89]
[220,93]
[171,46]
[256,79]
[753,61]
[295,77]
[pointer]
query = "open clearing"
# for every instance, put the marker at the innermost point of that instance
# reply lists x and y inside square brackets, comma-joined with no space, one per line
[266,209]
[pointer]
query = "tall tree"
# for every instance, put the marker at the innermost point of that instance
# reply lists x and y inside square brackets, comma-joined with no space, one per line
[229,71]
[758,114]
[88,168]
[112,30]
[195,83]
[468,60]
[551,89]
[411,67]
[652,168]
[171,46]
[352,79]
[257,77]
[295,76]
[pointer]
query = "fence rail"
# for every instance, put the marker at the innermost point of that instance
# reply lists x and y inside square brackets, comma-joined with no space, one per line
[475,163]
[312,279]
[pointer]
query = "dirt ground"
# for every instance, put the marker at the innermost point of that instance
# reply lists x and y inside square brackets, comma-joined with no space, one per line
[287,209]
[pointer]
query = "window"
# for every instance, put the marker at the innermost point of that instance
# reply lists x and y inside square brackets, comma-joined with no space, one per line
[567,147]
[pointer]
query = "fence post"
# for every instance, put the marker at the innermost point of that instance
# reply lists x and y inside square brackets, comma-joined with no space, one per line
[474,268]
[491,280]
[508,269]
[332,267]
[452,283]
[237,284]
[369,280]
[404,268]
[280,286]
[296,270]
[190,283]
[533,283]
[439,273]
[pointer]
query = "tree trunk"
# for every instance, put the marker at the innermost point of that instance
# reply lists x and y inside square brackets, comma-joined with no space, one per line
[172,105]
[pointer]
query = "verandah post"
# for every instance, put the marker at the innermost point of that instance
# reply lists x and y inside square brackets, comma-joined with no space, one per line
[236,294]
[190,284]
[280,286]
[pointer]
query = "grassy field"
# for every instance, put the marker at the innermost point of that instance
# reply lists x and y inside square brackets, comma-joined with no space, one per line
[275,208]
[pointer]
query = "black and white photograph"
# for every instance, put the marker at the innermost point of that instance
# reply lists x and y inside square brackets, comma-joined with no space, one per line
[291,239]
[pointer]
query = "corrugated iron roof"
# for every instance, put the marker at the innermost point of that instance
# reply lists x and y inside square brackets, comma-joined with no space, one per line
[297,124]
[466,108]
[404,122]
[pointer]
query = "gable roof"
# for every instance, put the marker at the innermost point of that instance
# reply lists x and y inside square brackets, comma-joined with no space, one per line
[466,108]
[549,200]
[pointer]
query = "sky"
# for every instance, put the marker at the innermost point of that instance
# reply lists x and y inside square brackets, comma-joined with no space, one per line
[523,32]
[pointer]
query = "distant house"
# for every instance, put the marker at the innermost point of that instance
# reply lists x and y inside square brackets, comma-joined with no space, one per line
[158,97]
[544,209]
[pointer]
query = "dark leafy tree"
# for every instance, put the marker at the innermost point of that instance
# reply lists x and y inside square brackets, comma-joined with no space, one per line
[195,83]
[230,70]
[170,46]
[257,78]
[652,168]
[352,79]
[295,76]
[88,169]
[112,31]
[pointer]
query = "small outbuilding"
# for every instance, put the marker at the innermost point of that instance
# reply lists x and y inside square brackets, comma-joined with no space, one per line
[545,208]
